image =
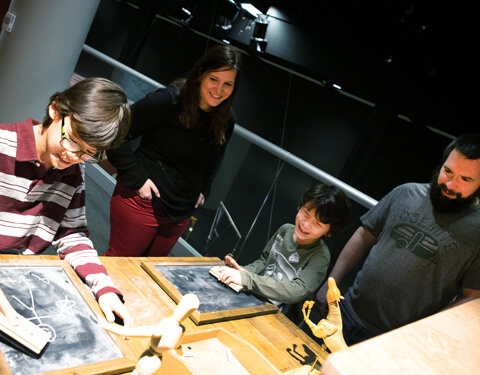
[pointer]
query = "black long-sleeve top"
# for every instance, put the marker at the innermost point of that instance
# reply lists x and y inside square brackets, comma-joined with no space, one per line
[181,163]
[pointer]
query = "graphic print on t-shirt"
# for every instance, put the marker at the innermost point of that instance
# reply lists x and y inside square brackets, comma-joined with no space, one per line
[418,242]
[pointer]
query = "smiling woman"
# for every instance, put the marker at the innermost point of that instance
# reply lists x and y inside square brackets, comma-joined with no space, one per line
[186,128]
[216,86]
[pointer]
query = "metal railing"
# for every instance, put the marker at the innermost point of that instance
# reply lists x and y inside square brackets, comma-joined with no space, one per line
[291,159]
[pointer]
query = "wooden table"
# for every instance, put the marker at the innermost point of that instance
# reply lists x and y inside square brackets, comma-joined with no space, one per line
[444,343]
[278,339]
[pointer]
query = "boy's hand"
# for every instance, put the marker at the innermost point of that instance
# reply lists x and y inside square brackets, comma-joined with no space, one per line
[230,262]
[229,275]
[110,303]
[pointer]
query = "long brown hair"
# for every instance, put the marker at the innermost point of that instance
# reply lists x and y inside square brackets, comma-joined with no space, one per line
[215,59]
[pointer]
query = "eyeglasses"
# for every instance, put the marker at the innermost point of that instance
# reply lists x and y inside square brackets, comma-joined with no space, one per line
[71,146]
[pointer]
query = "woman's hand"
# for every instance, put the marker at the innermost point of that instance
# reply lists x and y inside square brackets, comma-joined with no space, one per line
[200,201]
[145,192]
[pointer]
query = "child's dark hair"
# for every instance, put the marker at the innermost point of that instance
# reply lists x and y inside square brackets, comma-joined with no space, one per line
[331,206]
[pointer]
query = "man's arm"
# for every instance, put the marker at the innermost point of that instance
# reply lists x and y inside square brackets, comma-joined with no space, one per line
[467,296]
[359,244]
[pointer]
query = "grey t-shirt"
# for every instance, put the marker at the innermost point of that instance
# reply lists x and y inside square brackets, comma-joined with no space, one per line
[420,263]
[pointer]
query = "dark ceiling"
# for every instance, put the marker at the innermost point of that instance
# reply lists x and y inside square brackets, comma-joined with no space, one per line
[420,54]
[423,53]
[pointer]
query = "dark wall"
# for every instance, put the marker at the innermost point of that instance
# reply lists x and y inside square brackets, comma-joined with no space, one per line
[365,145]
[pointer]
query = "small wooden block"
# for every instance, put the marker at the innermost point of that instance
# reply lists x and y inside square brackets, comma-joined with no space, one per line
[26,333]
[215,272]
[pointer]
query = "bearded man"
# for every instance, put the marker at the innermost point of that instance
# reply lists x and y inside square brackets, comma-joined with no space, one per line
[423,247]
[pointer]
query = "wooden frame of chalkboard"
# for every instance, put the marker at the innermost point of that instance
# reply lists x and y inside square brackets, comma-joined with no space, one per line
[179,276]
[38,276]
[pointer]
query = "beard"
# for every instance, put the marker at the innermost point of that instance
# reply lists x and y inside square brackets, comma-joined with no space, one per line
[449,205]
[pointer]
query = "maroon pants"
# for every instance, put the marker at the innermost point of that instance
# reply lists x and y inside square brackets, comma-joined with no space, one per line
[137,228]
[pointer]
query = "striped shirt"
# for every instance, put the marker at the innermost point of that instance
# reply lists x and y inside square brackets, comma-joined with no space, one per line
[39,207]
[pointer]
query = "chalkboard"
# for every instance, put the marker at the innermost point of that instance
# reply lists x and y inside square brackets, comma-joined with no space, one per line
[46,295]
[217,301]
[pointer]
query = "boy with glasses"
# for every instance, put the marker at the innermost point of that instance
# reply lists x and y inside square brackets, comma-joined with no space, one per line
[70,145]
[42,180]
